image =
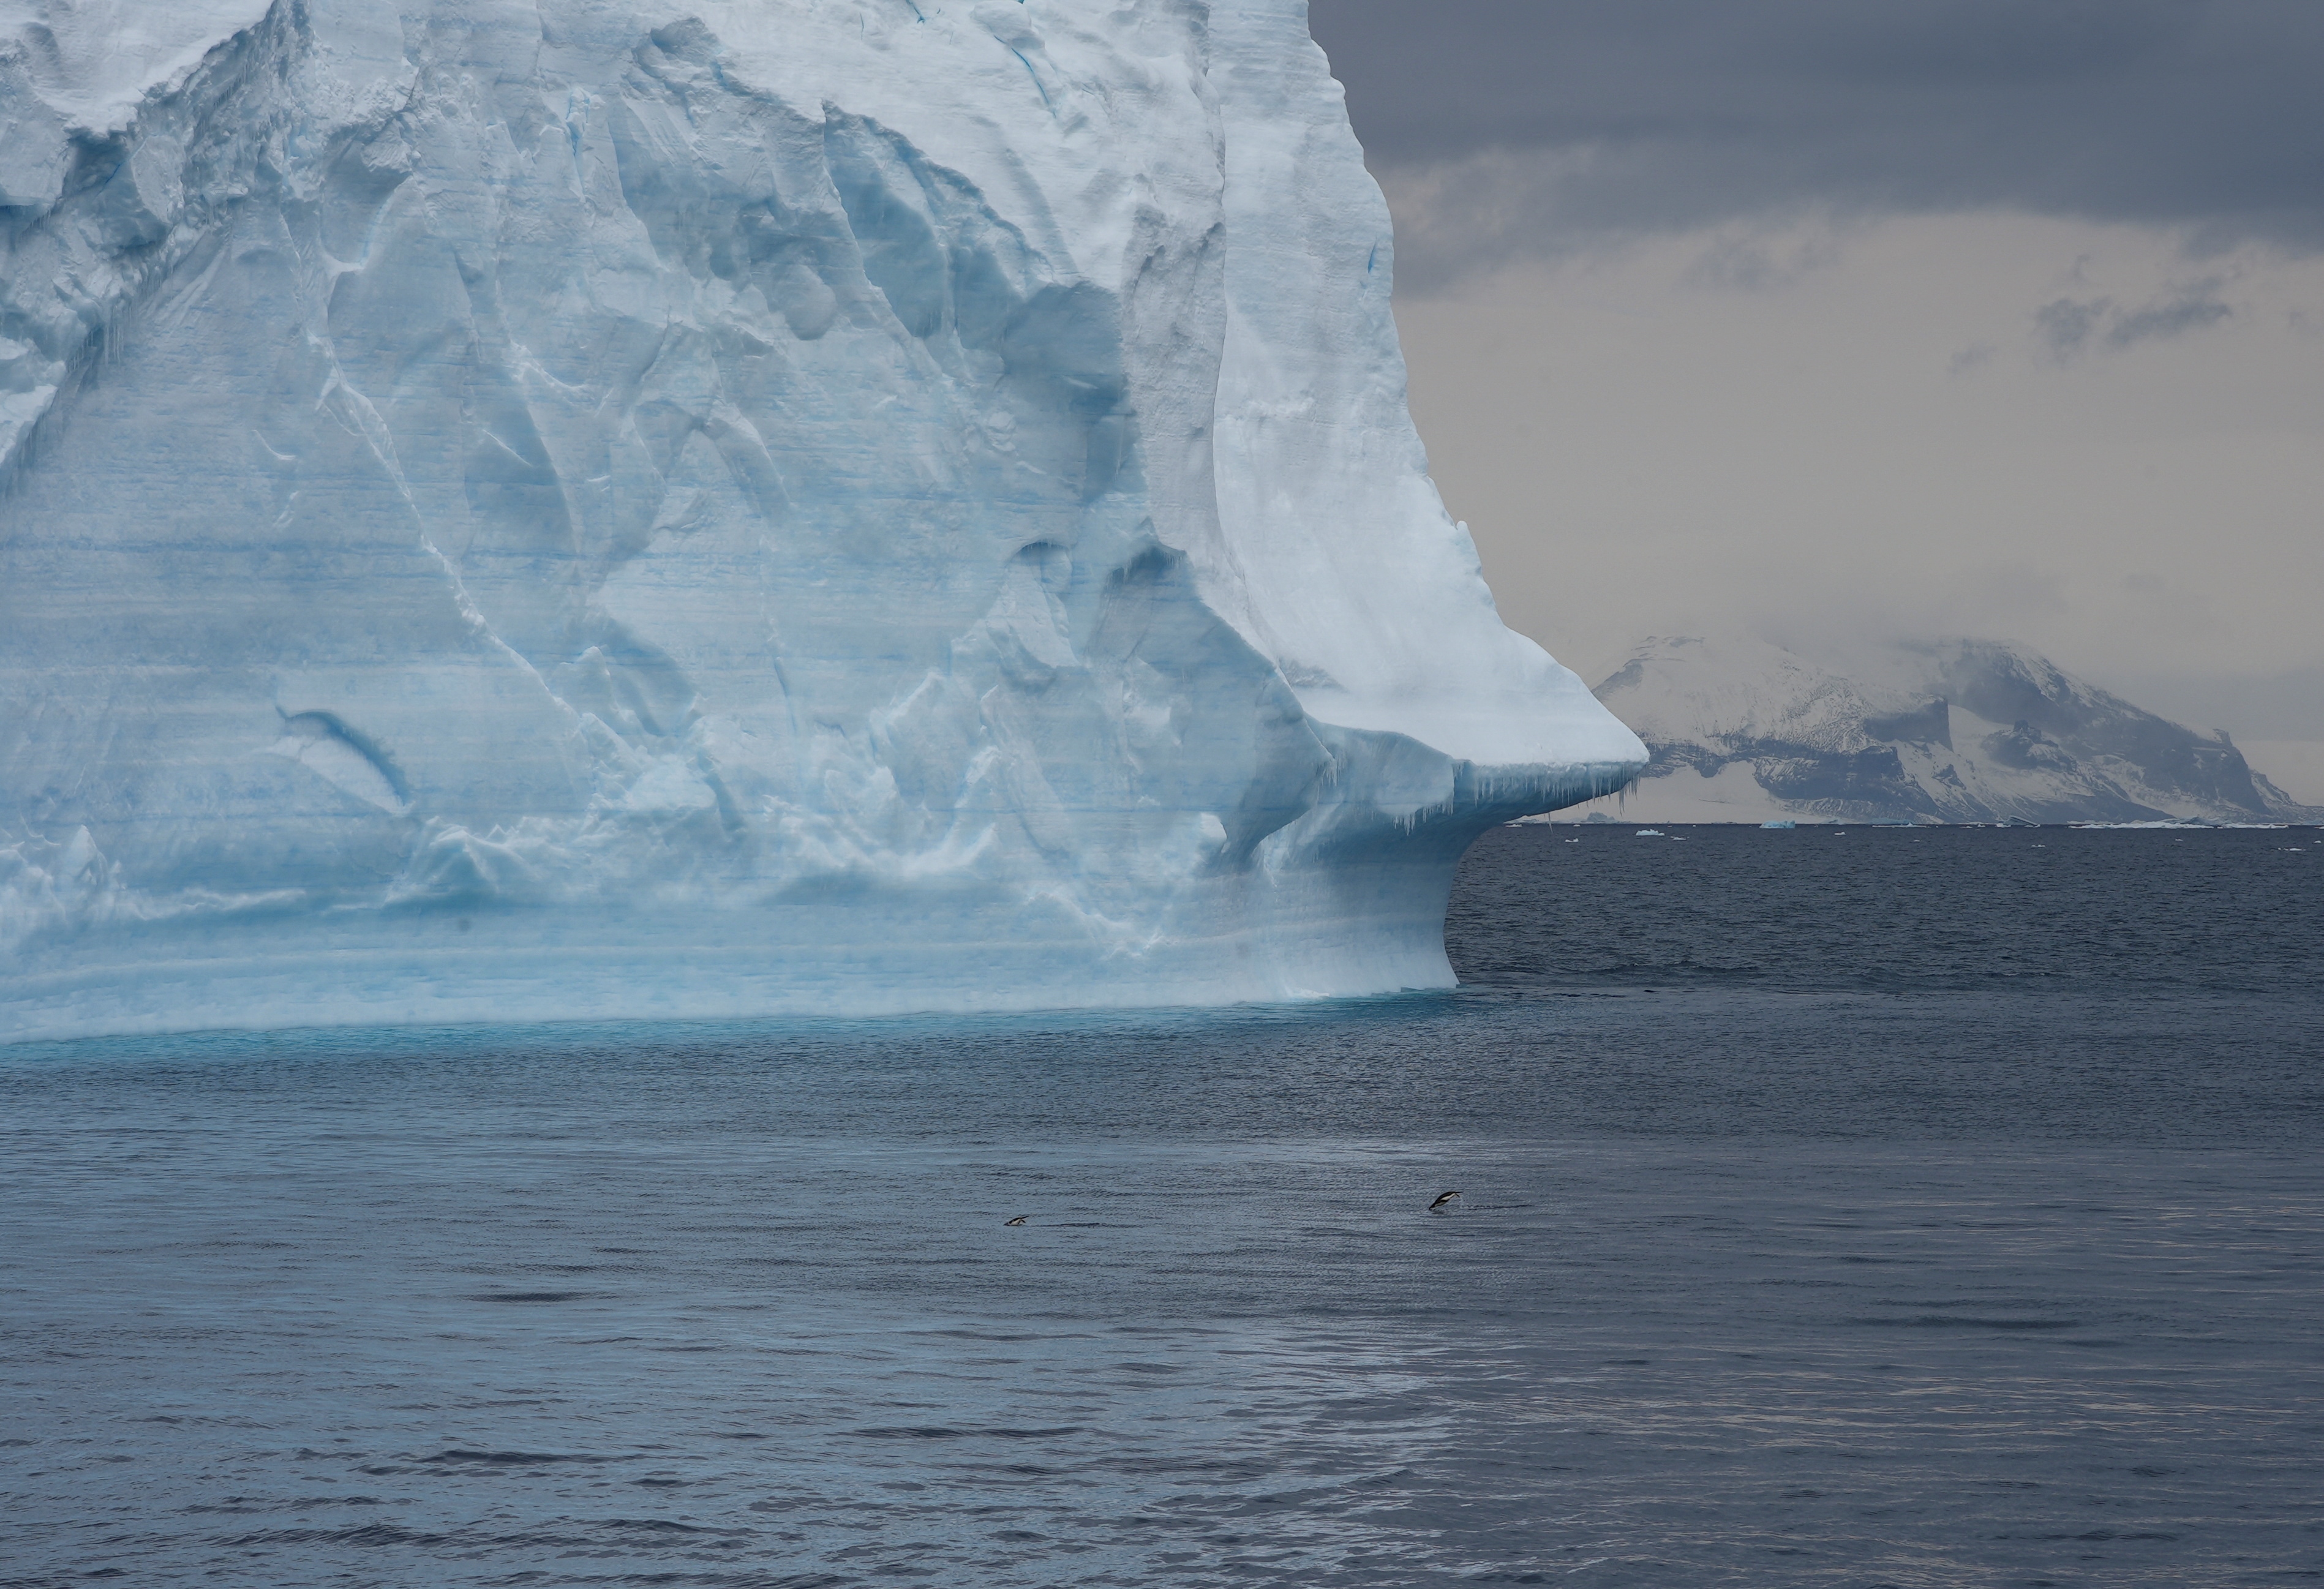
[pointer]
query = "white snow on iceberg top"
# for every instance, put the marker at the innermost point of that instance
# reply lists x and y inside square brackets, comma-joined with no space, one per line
[576,509]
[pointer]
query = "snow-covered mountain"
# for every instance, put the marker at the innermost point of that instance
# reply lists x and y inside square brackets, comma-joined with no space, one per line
[518,508]
[1960,731]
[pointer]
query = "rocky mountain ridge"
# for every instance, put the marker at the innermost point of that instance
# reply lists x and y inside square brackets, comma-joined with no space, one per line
[1957,731]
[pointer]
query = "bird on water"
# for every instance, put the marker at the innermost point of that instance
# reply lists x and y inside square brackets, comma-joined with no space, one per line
[1018,1220]
[1443,1200]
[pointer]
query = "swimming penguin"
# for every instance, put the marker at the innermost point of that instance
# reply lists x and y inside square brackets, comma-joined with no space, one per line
[1018,1220]
[1443,1198]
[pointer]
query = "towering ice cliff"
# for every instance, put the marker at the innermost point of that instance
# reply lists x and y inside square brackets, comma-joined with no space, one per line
[632,507]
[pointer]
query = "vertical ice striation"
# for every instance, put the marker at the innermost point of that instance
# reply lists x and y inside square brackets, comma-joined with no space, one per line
[638,507]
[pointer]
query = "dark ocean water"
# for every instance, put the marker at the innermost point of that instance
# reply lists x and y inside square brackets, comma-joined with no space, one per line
[1860,1208]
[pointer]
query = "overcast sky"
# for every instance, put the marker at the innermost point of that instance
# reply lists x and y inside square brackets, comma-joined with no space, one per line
[1832,321]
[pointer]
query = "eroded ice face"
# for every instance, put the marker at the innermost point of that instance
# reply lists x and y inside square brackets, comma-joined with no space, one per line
[767,482]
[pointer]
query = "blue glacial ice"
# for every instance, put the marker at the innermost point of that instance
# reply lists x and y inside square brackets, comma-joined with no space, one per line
[609,508]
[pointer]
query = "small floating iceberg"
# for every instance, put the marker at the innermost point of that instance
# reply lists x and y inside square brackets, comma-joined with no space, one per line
[1647,833]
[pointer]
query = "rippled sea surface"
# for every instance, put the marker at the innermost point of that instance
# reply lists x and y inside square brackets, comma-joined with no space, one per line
[1864,1207]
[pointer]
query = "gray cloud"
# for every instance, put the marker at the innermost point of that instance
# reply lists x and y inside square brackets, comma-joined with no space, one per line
[1519,127]
[1753,265]
[2191,311]
[2066,327]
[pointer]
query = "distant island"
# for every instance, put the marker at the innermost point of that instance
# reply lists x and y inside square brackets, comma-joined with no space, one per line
[1954,731]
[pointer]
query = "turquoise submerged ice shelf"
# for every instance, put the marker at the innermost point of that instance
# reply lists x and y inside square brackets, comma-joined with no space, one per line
[623,508]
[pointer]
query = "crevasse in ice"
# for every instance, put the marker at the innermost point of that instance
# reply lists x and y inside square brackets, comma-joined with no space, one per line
[651,507]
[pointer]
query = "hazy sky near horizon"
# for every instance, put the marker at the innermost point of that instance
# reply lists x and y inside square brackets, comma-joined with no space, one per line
[1833,323]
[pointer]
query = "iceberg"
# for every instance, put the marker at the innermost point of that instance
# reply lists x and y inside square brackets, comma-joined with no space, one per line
[606,509]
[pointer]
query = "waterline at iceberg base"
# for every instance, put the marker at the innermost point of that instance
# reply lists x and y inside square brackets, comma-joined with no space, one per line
[600,510]
[1362,917]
